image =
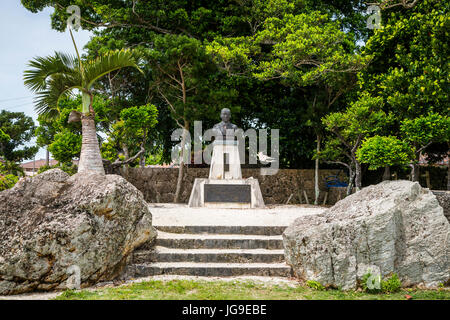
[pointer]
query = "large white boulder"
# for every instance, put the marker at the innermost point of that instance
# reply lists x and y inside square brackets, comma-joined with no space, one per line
[393,227]
[53,224]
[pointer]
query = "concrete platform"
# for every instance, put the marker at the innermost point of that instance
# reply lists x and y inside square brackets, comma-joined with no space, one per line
[170,214]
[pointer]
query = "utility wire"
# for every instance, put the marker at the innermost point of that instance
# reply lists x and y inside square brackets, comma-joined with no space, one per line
[19,98]
[17,106]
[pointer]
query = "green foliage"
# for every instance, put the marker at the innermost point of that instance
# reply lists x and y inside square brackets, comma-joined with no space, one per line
[138,119]
[9,174]
[410,60]
[235,290]
[65,146]
[361,119]
[11,167]
[315,285]
[16,130]
[307,48]
[425,129]
[391,285]
[388,286]
[185,79]
[155,158]
[201,19]
[55,77]
[7,181]
[408,69]
[381,151]
[373,278]
[131,131]
[226,31]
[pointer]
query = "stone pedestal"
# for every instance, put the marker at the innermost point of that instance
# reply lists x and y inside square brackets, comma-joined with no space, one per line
[225,162]
[226,193]
[225,187]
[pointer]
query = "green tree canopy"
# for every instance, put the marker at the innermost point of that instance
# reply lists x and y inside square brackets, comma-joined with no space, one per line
[16,133]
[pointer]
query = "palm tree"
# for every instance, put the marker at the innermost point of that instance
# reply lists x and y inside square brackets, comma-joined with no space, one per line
[55,77]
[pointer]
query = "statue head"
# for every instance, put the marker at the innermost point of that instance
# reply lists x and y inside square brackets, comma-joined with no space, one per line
[225,115]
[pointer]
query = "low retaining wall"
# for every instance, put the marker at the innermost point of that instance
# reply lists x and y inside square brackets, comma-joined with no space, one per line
[159,184]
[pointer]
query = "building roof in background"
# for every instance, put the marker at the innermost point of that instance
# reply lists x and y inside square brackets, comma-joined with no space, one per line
[424,161]
[38,163]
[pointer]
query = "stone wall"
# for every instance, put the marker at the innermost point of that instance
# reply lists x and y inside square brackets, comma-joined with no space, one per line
[159,184]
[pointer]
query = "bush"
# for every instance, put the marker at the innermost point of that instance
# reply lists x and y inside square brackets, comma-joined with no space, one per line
[11,167]
[372,283]
[315,285]
[392,284]
[7,181]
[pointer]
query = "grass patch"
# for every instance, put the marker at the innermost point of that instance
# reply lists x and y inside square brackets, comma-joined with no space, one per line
[236,290]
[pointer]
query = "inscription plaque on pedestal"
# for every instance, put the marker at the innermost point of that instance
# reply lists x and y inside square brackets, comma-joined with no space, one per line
[227,193]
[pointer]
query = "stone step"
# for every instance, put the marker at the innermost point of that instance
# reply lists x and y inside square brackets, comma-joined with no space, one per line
[220,229]
[163,254]
[210,269]
[218,241]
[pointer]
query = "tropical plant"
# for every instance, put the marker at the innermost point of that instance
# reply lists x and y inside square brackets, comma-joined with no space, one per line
[58,76]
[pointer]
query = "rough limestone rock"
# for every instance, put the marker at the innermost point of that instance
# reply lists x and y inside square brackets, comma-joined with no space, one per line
[443,198]
[393,227]
[52,222]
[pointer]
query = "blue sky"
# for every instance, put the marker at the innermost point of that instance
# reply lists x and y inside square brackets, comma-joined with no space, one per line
[23,36]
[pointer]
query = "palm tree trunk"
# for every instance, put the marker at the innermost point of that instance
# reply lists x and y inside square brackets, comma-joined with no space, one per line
[90,157]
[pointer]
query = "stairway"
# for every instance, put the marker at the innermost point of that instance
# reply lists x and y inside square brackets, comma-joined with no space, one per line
[213,251]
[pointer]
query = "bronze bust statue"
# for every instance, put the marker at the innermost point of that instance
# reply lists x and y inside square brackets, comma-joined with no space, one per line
[221,128]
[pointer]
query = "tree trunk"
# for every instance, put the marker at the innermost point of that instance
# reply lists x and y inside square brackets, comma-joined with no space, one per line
[448,167]
[387,173]
[126,155]
[181,168]
[316,174]
[415,169]
[448,174]
[358,176]
[351,178]
[90,157]
[47,157]
[142,161]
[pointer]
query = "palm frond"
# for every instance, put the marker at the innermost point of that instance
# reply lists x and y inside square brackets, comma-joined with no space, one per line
[44,67]
[59,86]
[113,60]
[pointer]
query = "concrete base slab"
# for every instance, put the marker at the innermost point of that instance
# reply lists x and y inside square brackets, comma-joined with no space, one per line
[197,198]
[181,215]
